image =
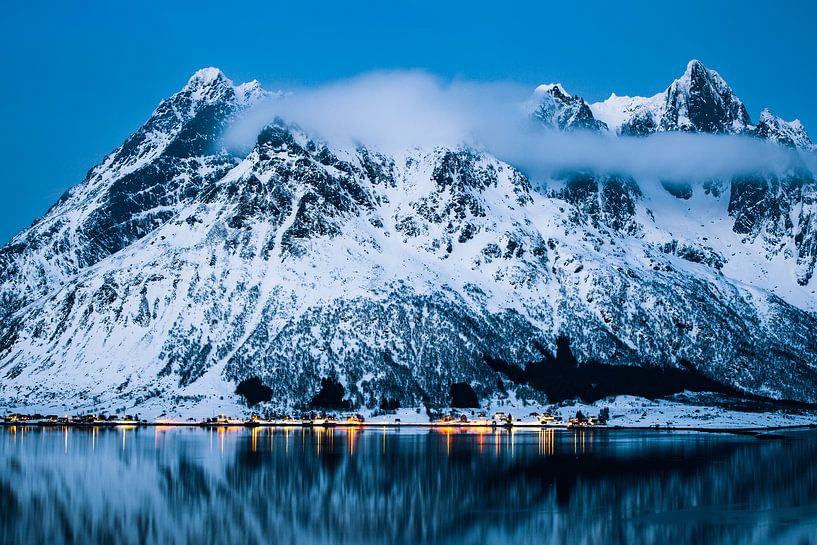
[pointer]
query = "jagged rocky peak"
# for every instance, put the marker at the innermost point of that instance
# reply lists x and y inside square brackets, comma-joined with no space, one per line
[206,76]
[554,107]
[135,189]
[206,87]
[699,101]
[190,122]
[702,101]
[210,83]
[787,133]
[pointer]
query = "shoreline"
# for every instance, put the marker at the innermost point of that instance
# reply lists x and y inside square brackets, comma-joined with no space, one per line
[688,412]
[415,425]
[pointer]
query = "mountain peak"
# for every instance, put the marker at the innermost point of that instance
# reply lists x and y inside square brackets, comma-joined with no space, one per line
[554,107]
[696,74]
[767,115]
[212,85]
[207,82]
[786,133]
[702,101]
[694,65]
[206,76]
[698,101]
[552,88]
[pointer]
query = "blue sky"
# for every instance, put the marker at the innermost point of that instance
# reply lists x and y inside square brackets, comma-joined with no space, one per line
[79,77]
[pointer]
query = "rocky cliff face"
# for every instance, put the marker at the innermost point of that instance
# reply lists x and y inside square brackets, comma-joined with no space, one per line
[177,269]
[701,101]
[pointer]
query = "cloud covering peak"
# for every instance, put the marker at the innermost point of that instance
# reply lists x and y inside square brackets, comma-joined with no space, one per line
[393,111]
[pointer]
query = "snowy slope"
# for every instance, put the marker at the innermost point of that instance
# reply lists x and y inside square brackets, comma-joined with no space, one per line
[134,190]
[177,270]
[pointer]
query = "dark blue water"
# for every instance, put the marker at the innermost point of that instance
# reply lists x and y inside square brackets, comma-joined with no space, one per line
[302,486]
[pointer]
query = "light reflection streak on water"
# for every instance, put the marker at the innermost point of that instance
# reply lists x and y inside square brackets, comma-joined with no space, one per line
[352,433]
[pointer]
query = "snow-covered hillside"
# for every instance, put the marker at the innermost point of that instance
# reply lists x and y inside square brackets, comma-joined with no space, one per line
[178,269]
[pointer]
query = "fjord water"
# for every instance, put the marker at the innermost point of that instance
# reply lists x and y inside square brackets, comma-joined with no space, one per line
[302,486]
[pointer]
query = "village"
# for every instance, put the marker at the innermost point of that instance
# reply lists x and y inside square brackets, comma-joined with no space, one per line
[471,419]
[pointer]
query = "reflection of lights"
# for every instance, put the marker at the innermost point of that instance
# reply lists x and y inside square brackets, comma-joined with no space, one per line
[125,429]
[352,433]
[254,438]
[547,442]
[447,431]
[65,433]
[324,436]
[481,432]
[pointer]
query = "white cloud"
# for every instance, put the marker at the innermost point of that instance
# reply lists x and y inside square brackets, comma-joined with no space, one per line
[395,110]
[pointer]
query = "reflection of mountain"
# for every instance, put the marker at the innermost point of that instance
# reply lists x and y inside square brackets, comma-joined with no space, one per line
[333,487]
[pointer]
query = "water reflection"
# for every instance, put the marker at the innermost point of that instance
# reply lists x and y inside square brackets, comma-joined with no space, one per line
[294,485]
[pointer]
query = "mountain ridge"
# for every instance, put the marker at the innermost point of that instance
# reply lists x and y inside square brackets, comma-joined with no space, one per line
[699,101]
[178,269]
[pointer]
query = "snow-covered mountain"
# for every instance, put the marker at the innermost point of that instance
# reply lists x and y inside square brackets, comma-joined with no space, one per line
[178,269]
[787,133]
[699,101]
[555,108]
